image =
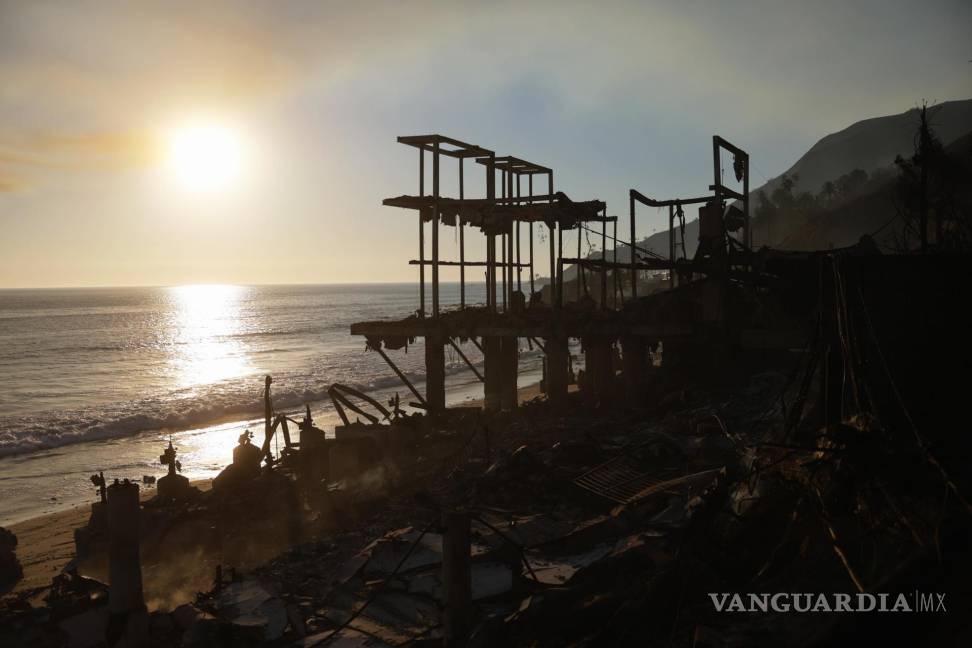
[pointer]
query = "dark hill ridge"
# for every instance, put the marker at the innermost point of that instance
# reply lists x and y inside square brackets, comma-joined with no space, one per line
[873,144]
[870,144]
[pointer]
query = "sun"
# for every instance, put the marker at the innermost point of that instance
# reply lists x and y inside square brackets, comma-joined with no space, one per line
[206,157]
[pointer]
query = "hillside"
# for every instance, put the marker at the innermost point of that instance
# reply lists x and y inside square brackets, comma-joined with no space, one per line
[871,145]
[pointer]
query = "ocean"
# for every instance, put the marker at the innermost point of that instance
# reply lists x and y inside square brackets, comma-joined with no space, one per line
[100,379]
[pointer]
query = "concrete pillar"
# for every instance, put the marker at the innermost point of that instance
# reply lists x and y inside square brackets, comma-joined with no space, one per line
[557,365]
[129,617]
[456,578]
[509,397]
[599,370]
[634,354]
[493,367]
[435,372]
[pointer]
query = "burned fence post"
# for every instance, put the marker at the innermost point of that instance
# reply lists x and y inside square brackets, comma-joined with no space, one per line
[456,578]
[129,618]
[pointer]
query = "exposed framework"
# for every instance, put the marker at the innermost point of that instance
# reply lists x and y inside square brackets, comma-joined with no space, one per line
[496,216]
[716,203]
[506,317]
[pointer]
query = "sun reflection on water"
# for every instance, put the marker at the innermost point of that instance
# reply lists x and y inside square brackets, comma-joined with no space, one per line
[206,322]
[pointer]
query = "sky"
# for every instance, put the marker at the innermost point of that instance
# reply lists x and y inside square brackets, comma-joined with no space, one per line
[611,95]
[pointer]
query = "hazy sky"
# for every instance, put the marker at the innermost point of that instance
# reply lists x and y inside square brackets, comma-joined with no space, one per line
[611,95]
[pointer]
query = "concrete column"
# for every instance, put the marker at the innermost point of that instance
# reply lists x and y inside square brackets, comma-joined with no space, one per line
[129,617]
[634,363]
[509,398]
[456,578]
[599,370]
[435,372]
[557,363]
[493,361]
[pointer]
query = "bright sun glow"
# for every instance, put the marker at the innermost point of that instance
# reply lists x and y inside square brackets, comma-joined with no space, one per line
[206,157]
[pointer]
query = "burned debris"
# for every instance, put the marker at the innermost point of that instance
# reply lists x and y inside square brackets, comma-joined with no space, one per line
[10,569]
[746,421]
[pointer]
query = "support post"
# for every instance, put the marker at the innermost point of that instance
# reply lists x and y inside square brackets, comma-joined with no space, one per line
[421,236]
[493,367]
[503,248]
[614,262]
[491,239]
[578,266]
[435,372]
[504,267]
[604,298]
[599,370]
[633,360]
[509,396]
[509,243]
[671,246]
[435,230]
[532,289]
[267,409]
[462,243]
[556,352]
[634,256]
[519,267]
[560,267]
[456,578]
[126,603]
[747,234]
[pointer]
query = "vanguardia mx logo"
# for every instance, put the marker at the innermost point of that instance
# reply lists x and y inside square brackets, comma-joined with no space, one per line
[835,602]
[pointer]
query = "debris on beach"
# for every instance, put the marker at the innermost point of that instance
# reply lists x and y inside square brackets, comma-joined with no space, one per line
[10,569]
[743,429]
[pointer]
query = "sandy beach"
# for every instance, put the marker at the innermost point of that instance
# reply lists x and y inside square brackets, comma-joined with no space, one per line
[45,544]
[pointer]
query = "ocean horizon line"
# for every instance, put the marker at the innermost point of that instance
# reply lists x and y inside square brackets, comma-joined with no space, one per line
[229,283]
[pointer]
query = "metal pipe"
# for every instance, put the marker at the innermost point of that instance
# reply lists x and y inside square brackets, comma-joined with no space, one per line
[530,178]
[435,230]
[421,235]
[519,273]
[554,290]
[634,256]
[604,256]
[580,270]
[614,271]
[462,245]
[671,246]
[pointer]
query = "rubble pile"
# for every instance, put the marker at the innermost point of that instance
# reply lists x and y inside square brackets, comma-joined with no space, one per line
[587,524]
[10,570]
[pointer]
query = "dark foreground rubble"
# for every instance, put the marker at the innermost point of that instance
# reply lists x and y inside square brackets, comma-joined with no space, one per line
[740,503]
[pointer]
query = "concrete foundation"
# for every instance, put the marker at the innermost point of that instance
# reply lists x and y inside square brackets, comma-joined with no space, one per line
[129,618]
[435,373]
[557,359]
[493,361]
[634,359]
[599,370]
[510,352]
